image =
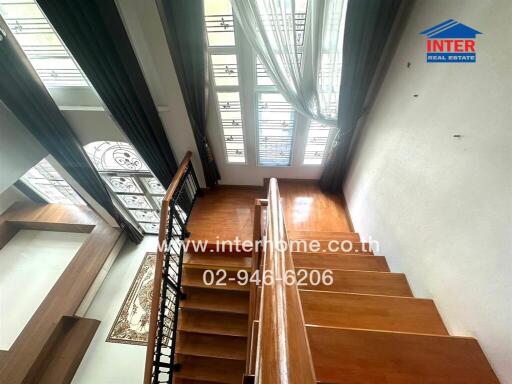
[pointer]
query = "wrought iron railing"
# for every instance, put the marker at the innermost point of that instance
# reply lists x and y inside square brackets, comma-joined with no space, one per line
[167,293]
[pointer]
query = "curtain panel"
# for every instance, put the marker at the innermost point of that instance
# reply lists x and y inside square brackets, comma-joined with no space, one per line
[94,33]
[27,98]
[367,28]
[183,22]
[303,57]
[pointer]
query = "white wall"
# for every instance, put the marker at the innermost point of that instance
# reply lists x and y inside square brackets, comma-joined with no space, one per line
[19,150]
[441,206]
[30,264]
[146,33]
[9,197]
[107,362]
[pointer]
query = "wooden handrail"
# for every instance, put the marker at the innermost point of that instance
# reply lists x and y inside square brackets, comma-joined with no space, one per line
[157,281]
[255,266]
[283,353]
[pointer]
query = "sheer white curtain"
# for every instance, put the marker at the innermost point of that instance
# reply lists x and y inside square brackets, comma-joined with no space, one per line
[308,72]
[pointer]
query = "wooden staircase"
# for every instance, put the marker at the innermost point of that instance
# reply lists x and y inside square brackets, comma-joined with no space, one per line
[212,326]
[364,328]
[367,327]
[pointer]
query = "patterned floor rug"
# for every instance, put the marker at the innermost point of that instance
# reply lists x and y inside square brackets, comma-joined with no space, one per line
[132,322]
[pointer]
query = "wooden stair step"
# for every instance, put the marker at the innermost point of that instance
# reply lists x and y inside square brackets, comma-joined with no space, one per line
[72,338]
[325,246]
[193,277]
[225,347]
[180,380]
[373,283]
[369,357]
[389,313]
[334,261]
[215,323]
[210,369]
[214,260]
[216,300]
[323,235]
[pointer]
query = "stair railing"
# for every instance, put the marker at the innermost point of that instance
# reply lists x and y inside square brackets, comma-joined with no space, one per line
[176,207]
[283,354]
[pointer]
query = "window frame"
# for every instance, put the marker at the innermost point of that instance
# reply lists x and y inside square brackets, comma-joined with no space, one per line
[136,176]
[86,84]
[228,50]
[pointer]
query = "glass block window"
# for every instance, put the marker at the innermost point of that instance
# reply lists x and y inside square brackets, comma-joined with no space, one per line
[316,144]
[49,184]
[130,180]
[43,47]
[223,52]
[276,125]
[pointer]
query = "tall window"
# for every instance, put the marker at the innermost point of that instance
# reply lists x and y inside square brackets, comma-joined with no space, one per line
[49,184]
[223,50]
[248,97]
[276,118]
[130,180]
[43,47]
[276,125]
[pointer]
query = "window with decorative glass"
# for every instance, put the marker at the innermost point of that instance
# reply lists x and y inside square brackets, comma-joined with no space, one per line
[49,184]
[130,180]
[248,98]
[223,51]
[276,118]
[43,47]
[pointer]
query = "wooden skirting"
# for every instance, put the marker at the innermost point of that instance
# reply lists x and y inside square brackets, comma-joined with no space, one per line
[22,362]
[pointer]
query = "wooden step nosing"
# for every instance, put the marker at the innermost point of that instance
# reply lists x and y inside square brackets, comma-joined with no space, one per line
[198,354]
[215,310]
[384,331]
[215,267]
[202,332]
[367,294]
[352,270]
[240,288]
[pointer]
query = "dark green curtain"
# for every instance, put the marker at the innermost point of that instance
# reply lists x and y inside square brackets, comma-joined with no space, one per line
[367,27]
[24,94]
[94,33]
[27,191]
[183,22]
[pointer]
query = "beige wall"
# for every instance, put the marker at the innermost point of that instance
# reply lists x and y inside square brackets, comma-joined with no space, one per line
[441,206]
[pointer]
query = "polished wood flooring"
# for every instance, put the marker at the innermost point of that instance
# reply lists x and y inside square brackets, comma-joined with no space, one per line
[225,212]
[307,208]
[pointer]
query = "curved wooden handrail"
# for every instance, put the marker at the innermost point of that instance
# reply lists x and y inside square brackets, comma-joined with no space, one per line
[157,281]
[283,353]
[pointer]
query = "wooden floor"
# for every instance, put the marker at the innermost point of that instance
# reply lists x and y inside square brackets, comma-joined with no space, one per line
[227,211]
[307,208]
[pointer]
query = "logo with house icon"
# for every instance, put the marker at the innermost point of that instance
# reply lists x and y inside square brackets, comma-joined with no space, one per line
[451,42]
